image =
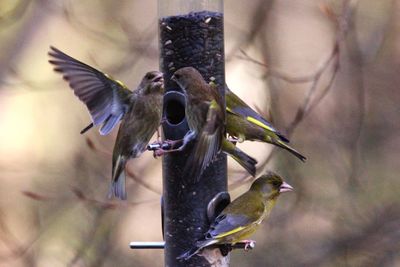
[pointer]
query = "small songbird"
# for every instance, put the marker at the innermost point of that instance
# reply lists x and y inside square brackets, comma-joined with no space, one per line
[206,120]
[109,101]
[243,123]
[242,217]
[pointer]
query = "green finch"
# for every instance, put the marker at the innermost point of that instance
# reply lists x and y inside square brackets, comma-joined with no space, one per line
[109,101]
[243,123]
[242,217]
[206,120]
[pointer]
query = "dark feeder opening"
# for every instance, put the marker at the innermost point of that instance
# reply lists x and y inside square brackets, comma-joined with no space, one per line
[194,39]
[174,107]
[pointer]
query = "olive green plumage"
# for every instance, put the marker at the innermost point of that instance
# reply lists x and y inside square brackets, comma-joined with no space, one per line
[244,123]
[109,101]
[242,217]
[139,125]
[206,120]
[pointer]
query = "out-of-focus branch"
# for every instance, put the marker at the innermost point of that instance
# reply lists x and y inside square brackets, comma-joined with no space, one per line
[79,195]
[358,79]
[142,182]
[130,173]
[135,43]
[22,38]
[15,14]
[375,236]
[260,16]
[311,99]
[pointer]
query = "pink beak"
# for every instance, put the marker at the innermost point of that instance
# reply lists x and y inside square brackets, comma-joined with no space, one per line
[285,187]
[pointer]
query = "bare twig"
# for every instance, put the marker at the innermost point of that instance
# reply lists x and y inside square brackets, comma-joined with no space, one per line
[311,100]
[142,182]
[84,198]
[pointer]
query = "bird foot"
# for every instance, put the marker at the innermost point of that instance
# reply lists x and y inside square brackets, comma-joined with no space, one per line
[161,148]
[248,244]
[232,139]
[158,153]
[172,143]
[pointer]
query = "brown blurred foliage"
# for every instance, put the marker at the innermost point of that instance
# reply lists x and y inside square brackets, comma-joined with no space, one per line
[324,71]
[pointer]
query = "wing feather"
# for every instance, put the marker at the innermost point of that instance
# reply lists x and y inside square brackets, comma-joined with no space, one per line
[106,99]
[237,106]
[209,141]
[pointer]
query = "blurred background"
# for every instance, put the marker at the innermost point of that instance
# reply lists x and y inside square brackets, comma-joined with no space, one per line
[325,72]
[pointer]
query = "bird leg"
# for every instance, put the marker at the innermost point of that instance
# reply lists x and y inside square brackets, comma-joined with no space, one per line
[158,135]
[160,148]
[232,139]
[248,244]
[189,136]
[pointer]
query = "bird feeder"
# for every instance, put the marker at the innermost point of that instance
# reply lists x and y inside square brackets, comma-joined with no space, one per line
[191,33]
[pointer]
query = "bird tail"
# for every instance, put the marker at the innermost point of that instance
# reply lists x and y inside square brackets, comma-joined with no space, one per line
[194,250]
[242,158]
[290,149]
[117,188]
[188,254]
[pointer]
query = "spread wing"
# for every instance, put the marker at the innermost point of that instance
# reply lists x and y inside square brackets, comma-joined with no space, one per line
[106,99]
[237,106]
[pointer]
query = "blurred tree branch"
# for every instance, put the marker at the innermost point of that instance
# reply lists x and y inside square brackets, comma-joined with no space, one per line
[311,100]
[15,14]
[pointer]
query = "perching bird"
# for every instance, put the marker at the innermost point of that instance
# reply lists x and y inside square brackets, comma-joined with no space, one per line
[242,217]
[108,101]
[206,120]
[243,123]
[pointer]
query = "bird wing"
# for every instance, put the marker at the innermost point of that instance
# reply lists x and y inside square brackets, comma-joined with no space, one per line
[210,138]
[241,213]
[237,106]
[106,99]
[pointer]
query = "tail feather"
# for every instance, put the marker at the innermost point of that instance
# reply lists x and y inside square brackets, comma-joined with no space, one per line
[291,150]
[118,188]
[247,162]
[194,250]
[110,123]
[282,137]
[188,254]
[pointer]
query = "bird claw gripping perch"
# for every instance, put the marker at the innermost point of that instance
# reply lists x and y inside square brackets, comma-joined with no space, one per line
[161,148]
[249,244]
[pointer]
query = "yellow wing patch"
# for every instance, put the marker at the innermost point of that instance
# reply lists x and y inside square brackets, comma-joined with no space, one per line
[115,80]
[238,229]
[213,104]
[259,123]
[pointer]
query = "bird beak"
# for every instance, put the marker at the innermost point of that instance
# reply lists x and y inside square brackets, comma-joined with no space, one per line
[173,78]
[285,187]
[159,78]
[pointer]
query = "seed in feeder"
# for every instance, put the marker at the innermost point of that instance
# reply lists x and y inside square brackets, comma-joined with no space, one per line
[195,41]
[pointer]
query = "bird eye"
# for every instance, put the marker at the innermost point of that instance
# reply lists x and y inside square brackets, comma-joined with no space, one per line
[276,183]
[150,76]
[177,76]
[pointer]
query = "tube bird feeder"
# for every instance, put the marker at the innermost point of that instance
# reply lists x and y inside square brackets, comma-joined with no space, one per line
[191,33]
